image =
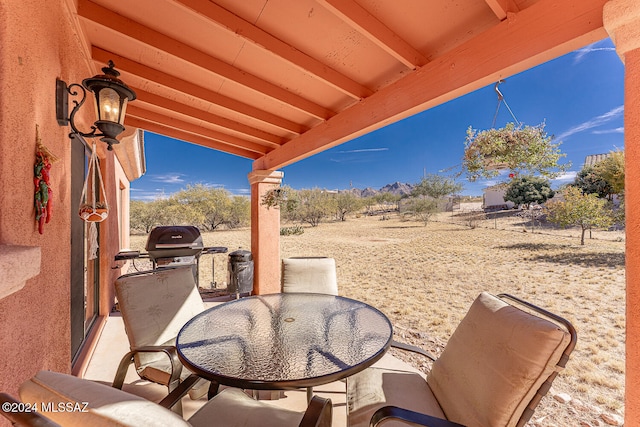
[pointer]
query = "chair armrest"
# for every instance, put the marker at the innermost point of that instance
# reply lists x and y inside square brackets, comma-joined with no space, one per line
[15,411]
[170,351]
[387,412]
[319,413]
[412,348]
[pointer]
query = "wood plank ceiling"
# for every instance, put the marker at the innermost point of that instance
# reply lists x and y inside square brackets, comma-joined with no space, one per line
[279,80]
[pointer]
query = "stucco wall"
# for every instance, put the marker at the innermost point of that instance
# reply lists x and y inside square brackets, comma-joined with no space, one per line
[37,44]
[632,207]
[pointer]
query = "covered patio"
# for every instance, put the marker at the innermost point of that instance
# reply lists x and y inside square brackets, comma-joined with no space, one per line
[275,81]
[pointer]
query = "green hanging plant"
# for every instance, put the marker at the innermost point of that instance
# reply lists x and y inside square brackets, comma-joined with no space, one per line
[275,197]
[521,149]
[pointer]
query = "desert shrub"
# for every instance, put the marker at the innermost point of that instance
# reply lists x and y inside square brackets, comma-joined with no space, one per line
[474,219]
[313,206]
[291,231]
[420,209]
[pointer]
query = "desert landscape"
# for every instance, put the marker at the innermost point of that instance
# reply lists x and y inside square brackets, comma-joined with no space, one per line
[424,278]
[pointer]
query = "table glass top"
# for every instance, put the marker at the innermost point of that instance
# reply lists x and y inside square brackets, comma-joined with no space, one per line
[284,339]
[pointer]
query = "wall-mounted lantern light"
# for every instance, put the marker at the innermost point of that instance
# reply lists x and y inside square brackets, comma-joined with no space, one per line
[111,96]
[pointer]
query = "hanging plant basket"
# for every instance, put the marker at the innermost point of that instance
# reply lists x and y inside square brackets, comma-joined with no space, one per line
[519,149]
[274,198]
[97,213]
[93,205]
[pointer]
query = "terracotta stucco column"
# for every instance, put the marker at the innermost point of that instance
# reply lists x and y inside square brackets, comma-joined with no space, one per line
[622,22]
[265,233]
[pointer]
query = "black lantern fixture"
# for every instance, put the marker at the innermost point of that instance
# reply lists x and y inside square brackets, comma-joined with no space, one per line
[112,96]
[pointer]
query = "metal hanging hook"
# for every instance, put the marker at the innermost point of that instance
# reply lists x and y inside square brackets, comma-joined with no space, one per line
[500,95]
[500,100]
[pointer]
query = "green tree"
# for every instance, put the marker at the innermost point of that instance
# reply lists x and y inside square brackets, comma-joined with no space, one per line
[586,211]
[527,190]
[346,203]
[141,216]
[161,211]
[521,149]
[239,212]
[387,199]
[212,204]
[591,181]
[369,203]
[314,205]
[611,169]
[421,208]
[436,187]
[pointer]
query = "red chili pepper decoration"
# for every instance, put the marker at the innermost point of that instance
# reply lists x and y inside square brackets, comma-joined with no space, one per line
[43,192]
[43,199]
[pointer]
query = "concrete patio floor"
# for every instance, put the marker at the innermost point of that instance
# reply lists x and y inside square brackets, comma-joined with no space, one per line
[112,346]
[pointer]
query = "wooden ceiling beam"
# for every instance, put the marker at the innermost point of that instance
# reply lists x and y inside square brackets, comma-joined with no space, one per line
[368,25]
[162,129]
[266,138]
[130,28]
[541,32]
[502,7]
[152,116]
[179,85]
[256,36]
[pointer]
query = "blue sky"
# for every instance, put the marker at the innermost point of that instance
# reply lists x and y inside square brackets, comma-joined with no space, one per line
[578,96]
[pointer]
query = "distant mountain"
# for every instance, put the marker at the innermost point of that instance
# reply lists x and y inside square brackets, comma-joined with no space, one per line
[398,188]
[368,192]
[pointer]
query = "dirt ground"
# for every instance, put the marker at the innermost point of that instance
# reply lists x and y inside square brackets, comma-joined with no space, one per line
[424,278]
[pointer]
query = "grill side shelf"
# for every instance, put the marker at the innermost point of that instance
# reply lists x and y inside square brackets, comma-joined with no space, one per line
[214,250]
[125,255]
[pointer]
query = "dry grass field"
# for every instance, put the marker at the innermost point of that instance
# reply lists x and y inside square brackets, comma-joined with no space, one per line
[425,278]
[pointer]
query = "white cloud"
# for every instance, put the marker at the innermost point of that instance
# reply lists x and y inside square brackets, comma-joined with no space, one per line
[581,53]
[566,177]
[606,131]
[363,150]
[592,123]
[170,178]
[490,183]
[210,184]
[351,161]
[149,196]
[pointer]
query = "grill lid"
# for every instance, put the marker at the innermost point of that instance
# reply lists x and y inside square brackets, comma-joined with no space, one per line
[174,240]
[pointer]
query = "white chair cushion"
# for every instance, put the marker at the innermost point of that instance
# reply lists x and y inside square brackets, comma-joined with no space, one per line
[375,387]
[154,306]
[494,363]
[233,408]
[106,406]
[314,275]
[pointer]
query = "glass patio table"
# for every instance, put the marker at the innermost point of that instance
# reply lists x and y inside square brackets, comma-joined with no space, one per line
[283,341]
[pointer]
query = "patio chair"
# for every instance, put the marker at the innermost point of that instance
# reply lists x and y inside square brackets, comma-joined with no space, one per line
[65,400]
[494,370]
[155,304]
[309,274]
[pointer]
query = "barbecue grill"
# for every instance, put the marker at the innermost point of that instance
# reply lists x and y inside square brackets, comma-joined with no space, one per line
[174,245]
